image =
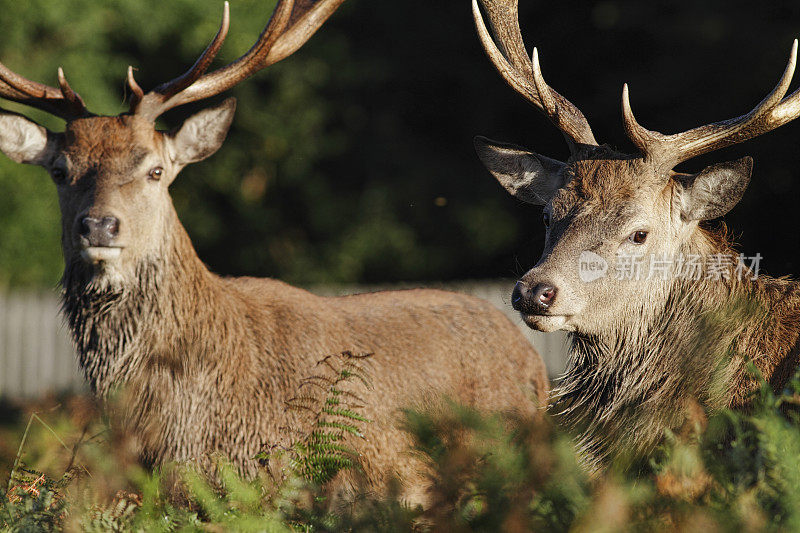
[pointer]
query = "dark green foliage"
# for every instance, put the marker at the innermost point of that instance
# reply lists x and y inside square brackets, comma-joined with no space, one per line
[732,471]
[757,456]
[496,472]
[296,473]
[353,161]
[32,503]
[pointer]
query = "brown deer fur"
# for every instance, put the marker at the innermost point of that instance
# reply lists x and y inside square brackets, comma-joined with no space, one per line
[647,341]
[688,340]
[207,363]
[644,350]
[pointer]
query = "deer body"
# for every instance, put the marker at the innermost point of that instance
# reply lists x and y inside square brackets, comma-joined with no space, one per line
[644,347]
[207,363]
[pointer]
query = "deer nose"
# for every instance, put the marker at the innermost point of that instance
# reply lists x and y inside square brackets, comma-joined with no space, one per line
[535,299]
[99,232]
[520,295]
[544,294]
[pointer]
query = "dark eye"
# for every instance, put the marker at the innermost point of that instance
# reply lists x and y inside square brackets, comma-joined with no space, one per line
[156,173]
[58,174]
[546,219]
[638,237]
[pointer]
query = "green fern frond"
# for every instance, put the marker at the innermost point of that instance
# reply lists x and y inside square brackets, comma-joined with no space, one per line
[334,405]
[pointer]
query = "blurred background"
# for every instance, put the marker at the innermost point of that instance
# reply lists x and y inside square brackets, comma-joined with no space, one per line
[350,164]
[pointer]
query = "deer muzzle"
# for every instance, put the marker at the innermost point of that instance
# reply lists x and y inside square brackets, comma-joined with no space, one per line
[97,239]
[533,300]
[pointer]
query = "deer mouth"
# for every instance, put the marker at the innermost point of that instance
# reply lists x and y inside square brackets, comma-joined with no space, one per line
[100,254]
[547,323]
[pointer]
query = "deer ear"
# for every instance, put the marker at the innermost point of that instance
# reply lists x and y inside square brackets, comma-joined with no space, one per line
[715,190]
[529,177]
[202,134]
[23,140]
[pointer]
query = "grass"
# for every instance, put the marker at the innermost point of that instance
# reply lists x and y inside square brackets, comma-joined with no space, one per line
[730,471]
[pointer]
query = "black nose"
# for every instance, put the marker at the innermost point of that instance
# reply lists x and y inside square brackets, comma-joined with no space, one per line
[533,300]
[99,232]
[520,295]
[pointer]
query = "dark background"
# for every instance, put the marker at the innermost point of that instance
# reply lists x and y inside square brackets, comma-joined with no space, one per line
[352,160]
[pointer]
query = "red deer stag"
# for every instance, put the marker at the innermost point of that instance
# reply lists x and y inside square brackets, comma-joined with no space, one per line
[208,362]
[650,332]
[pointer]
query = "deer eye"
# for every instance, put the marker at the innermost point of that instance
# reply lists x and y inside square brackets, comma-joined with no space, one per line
[58,174]
[546,219]
[156,173]
[638,237]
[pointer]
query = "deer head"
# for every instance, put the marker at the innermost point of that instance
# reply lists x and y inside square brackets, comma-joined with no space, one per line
[113,172]
[607,205]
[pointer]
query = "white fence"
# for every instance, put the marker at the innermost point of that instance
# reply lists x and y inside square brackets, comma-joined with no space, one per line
[36,355]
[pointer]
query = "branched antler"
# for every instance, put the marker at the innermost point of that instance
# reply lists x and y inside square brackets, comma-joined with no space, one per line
[507,52]
[668,150]
[292,23]
[524,75]
[62,102]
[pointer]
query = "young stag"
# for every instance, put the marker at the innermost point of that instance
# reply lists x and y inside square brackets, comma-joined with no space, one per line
[207,362]
[660,309]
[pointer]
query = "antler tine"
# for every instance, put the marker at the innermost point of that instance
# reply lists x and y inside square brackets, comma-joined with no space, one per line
[643,138]
[669,150]
[157,101]
[301,31]
[787,110]
[288,28]
[523,74]
[509,74]
[71,96]
[136,91]
[549,104]
[27,87]
[165,91]
[62,102]
[504,20]
[246,65]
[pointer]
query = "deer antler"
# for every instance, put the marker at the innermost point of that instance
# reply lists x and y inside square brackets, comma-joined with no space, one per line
[524,75]
[292,23]
[62,102]
[669,150]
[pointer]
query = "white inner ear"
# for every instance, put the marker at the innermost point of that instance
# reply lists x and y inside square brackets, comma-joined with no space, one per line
[202,134]
[22,140]
[191,141]
[525,177]
[531,169]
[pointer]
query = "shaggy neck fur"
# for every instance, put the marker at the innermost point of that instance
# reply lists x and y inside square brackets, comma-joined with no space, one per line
[106,318]
[623,389]
[148,338]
